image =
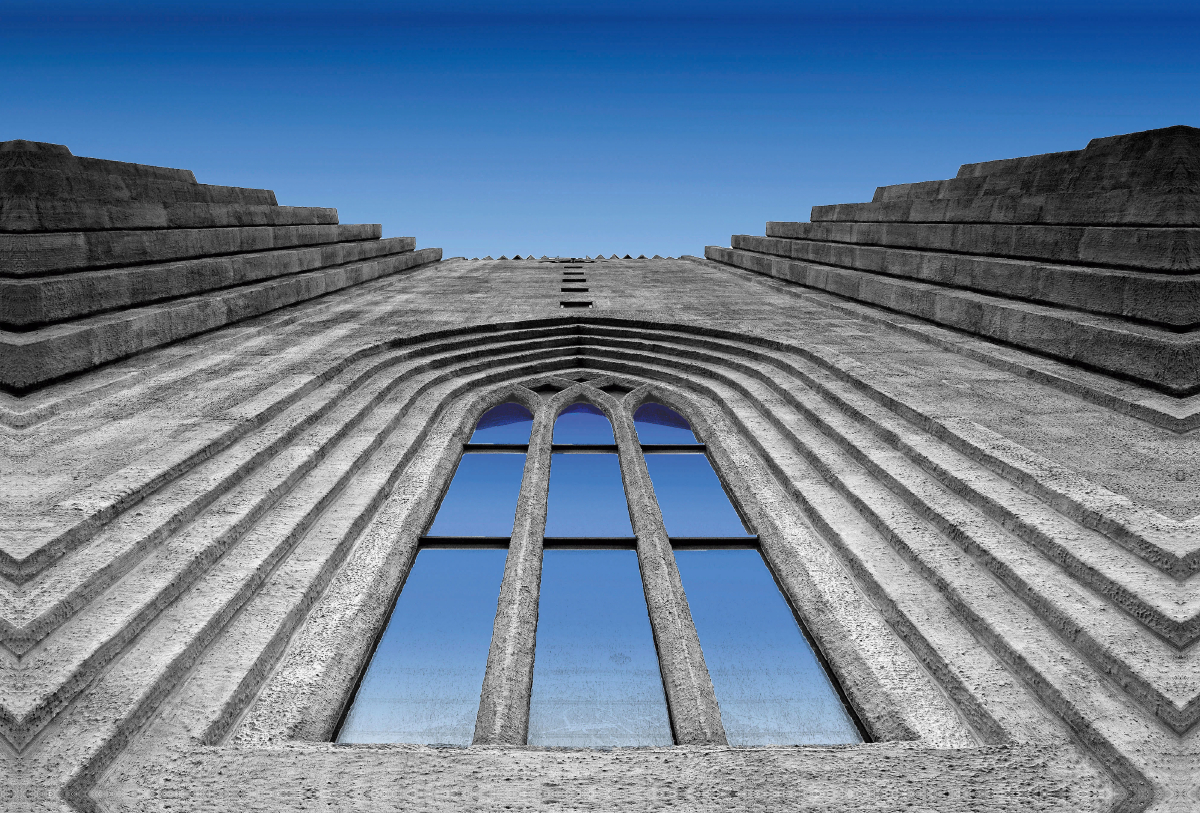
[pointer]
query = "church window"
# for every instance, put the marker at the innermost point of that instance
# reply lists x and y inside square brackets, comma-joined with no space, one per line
[596,676]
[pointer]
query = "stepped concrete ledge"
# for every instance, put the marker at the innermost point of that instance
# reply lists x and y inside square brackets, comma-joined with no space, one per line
[103,259]
[1090,257]
[1149,178]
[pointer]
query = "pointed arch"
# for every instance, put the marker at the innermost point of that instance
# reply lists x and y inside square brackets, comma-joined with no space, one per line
[687,373]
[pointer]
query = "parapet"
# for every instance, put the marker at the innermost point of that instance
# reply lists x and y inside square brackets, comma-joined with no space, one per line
[1091,257]
[103,259]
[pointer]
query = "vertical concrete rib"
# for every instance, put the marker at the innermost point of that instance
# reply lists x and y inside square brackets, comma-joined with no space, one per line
[695,717]
[504,703]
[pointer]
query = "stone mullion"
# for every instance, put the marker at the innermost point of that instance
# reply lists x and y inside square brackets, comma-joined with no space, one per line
[691,701]
[503,717]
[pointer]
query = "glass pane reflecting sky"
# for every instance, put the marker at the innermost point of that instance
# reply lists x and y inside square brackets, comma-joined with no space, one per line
[482,498]
[506,423]
[583,423]
[771,688]
[587,497]
[595,677]
[656,423]
[692,499]
[424,680]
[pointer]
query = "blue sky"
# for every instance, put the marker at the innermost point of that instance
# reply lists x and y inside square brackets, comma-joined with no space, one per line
[568,128]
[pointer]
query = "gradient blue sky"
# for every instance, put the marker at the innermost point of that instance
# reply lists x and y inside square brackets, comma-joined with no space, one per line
[571,128]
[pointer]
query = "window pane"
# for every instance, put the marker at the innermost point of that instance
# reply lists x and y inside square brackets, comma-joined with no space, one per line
[595,676]
[583,423]
[656,423]
[482,498]
[424,680]
[507,423]
[692,499]
[587,497]
[770,686]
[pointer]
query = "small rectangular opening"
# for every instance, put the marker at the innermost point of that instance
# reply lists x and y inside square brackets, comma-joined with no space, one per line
[575,304]
[574,290]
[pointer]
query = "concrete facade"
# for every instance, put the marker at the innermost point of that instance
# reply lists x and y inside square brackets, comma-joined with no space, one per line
[993,539]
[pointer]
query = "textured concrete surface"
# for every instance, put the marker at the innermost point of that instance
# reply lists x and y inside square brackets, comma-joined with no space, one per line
[100,260]
[996,551]
[200,546]
[1091,256]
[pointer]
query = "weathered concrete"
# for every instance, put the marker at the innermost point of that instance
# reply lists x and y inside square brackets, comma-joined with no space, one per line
[996,551]
[1089,256]
[1147,178]
[101,259]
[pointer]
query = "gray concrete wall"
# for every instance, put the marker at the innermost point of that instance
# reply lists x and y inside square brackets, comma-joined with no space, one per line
[996,553]
[205,522]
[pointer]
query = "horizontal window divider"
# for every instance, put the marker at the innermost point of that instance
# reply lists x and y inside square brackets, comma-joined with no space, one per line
[661,448]
[464,541]
[715,542]
[585,542]
[495,447]
[583,448]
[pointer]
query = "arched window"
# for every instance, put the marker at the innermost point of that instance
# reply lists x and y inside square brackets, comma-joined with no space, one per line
[586,649]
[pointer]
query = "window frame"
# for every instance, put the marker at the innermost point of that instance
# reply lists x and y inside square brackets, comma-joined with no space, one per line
[693,711]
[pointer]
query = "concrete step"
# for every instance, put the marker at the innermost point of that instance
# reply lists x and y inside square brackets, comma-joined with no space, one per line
[1167,250]
[963,202]
[101,187]
[38,356]
[1163,161]
[20,154]
[38,301]
[30,169]
[57,214]
[1166,361]
[1167,300]
[25,255]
